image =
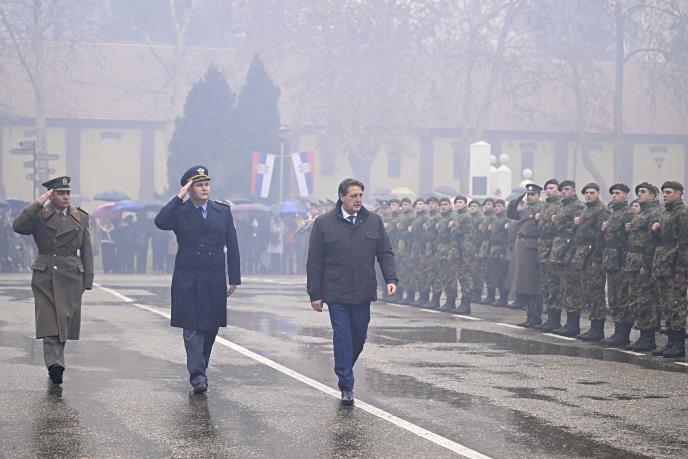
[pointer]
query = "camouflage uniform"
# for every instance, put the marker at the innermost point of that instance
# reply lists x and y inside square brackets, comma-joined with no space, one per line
[670,259]
[498,265]
[420,282]
[641,252]
[446,274]
[402,249]
[587,258]
[463,250]
[549,273]
[613,259]
[477,281]
[431,247]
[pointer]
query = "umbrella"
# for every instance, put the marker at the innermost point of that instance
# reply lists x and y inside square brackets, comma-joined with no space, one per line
[446,191]
[403,190]
[155,204]
[3,203]
[128,205]
[251,207]
[111,195]
[241,200]
[106,210]
[16,202]
[286,207]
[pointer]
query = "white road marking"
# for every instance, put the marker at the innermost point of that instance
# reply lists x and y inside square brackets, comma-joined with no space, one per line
[685,364]
[629,352]
[399,422]
[467,317]
[509,325]
[560,337]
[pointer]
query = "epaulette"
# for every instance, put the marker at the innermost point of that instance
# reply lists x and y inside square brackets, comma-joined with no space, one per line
[75,215]
[221,202]
[82,210]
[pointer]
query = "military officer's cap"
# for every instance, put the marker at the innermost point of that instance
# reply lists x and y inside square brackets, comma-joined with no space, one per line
[445,199]
[647,185]
[431,199]
[674,185]
[195,174]
[551,181]
[488,200]
[619,186]
[394,200]
[405,199]
[460,198]
[500,201]
[564,183]
[533,188]
[592,185]
[58,183]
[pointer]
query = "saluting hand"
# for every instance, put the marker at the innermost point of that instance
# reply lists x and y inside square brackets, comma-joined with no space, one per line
[42,199]
[184,190]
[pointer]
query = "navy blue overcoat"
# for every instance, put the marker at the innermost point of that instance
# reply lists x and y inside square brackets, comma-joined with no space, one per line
[202,267]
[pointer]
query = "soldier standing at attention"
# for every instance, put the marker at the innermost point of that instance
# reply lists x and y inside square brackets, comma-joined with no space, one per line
[62,270]
[431,247]
[475,209]
[462,252]
[403,251]
[613,259]
[497,264]
[445,276]
[638,266]
[670,267]
[202,270]
[484,249]
[549,274]
[587,258]
[563,248]
[421,277]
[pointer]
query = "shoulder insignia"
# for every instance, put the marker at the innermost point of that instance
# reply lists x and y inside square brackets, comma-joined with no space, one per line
[81,210]
[75,215]
[217,201]
[48,212]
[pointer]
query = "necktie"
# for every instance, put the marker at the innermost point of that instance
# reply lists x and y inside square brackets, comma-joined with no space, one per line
[351,218]
[200,210]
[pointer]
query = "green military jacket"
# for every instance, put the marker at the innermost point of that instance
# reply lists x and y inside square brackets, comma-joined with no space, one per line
[417,234]
[430,232]
[589,239]
[616,237]
[444,236]
[498,236]
[485,233]
[641,241]
[563,242]
[403,225]
[546,228]
[463,232]
[477,219]
[671,255]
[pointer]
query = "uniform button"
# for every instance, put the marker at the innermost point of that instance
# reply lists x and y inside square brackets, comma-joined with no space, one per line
[55,268]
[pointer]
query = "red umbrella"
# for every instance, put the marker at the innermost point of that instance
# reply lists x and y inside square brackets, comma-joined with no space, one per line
[106,210]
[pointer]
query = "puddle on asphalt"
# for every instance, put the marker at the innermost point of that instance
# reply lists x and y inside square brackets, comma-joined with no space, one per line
[533,394]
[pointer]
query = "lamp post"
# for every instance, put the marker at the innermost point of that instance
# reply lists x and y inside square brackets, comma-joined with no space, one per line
[659,154]
[283,131]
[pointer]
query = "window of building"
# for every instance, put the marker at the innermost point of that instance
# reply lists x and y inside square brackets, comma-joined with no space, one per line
[528,155]
[393,163]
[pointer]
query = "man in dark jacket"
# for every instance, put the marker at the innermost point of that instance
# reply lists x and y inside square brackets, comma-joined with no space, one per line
[199,283]
[343,246]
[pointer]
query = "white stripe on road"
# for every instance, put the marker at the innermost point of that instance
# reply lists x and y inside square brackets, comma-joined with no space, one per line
[406,425]
[628,352]
[559,336]
[685,364]
[467,317]
[509,325]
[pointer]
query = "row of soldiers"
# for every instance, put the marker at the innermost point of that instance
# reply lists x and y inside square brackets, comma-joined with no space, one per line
[558,252]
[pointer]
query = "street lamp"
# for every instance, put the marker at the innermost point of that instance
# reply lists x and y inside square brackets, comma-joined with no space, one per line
[659,154]
[283,131]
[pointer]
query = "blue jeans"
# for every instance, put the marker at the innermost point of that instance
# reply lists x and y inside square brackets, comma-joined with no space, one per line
[350,329]
[198,345]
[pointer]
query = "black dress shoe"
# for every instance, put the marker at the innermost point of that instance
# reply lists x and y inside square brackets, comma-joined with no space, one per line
[200,388]
[55,372]
[347,398]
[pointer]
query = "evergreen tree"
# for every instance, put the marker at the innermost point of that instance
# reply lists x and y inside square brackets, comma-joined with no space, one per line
[203,134]
[257,124]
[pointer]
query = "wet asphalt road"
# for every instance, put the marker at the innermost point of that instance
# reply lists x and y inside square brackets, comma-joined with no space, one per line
[501,391]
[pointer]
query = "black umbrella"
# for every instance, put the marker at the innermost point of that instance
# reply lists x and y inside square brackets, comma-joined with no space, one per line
[16,202]
[111,195]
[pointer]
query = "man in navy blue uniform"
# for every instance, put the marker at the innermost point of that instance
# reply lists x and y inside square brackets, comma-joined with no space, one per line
[201,276]
[343,246]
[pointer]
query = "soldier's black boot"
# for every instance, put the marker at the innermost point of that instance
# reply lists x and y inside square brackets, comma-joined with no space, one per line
[490,298]
[605,341]
[621,337]
[503,298]
[423,297]
[465,306]
[596,332]
[670,341]
[450,305]
[410,297]
[646,342]
[434,303]
[678,347]
[476,295]
[553,321]
[572,327]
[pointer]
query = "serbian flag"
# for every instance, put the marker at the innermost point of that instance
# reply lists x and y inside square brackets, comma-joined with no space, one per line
[261,173]
[303,167]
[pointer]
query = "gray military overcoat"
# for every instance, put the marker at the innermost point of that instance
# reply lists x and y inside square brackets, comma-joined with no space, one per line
[60,273]
[525,268]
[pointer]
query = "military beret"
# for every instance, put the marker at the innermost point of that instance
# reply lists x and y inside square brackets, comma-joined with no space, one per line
[533,188]
[58,183]
[394,200]
[476,202]
[418,200]
[460,198]
[674,185]
[382,203]
[488,200]
[195,174]
[592,185]
[619,186]
[648,186]
[564,183]
[405,199]
[431,199]
[445,199]
[551,181]
[500,201]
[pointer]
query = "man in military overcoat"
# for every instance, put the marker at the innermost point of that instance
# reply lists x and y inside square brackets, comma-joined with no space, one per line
[62,270]
[207,260]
